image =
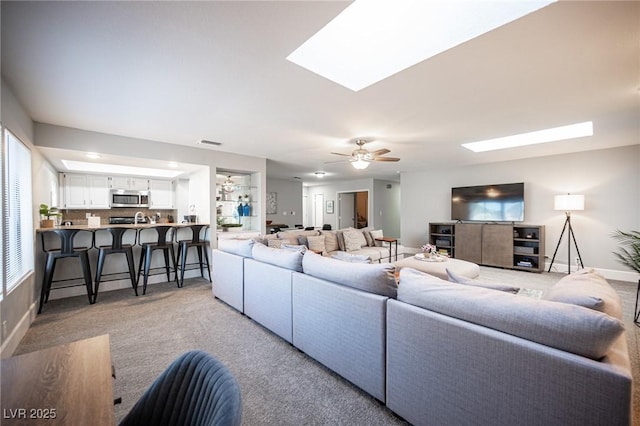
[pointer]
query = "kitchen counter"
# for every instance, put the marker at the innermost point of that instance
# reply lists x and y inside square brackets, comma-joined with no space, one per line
[107,225]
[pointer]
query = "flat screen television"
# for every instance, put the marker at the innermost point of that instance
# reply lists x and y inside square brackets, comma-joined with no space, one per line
[488,203]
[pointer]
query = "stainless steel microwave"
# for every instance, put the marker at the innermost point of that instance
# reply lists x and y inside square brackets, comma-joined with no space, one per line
[129,198]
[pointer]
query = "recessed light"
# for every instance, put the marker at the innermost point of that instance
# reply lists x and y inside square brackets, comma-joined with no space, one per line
[554,134]
[93,155]
[319,175]
[372,40]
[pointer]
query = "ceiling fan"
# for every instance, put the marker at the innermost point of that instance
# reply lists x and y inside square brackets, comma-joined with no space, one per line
[360,158]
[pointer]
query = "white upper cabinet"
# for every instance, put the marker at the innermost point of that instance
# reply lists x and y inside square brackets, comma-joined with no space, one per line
[161,194]
[128,182]
[85,191]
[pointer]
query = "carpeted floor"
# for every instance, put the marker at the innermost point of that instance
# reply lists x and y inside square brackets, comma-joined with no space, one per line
[280,385]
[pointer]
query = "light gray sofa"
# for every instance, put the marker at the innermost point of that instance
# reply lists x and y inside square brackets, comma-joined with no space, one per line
[445,353]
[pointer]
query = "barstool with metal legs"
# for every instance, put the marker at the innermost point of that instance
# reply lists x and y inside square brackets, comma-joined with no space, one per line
[199,241]
[164,242]
[116,246]
[65,250]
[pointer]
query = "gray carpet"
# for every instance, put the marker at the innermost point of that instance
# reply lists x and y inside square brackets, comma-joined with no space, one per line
[280,385]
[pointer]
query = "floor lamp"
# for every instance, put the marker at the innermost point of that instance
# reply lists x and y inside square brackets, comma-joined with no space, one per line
[568,203]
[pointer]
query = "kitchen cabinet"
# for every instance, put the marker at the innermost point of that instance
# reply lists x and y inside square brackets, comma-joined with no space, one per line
[85,191]
[128,182]
[161,194]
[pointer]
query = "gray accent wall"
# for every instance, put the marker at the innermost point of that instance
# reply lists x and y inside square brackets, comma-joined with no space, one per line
[289,197]
[609,180]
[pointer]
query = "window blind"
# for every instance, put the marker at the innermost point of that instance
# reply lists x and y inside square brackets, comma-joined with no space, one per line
[18,236]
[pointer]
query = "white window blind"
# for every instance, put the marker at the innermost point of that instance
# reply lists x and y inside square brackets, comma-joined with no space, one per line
[18,226]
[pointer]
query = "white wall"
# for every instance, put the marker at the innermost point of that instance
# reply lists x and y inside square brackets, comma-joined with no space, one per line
[200,196]
[17,309]
[386,207]
[609,179]
[289,196]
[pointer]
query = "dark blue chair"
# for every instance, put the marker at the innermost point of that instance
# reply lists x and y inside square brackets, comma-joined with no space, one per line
[195,390]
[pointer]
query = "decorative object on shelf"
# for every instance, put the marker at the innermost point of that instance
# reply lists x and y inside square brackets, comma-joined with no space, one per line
[329,208]
[272,203]
[228,226]
[228,185]
[246,198]
[629,256]
[567,203]
[48,212]
[246,209]
[240,208]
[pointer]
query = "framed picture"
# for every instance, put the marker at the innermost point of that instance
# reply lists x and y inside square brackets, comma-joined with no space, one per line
[329,208]
[272,202]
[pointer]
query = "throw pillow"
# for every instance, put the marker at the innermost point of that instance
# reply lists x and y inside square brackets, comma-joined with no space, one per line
[275,243]
[294,247]
[317,244]
[330,241]
[377,233]
[353,239]
[302,240]
[340,236]
[563,326]
[589,289]
[367,236]
[288,259]
[377,278]
[238,247]
[459,279]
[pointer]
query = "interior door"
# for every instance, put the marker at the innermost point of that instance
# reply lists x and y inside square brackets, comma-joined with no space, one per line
[318,209]
[346,210]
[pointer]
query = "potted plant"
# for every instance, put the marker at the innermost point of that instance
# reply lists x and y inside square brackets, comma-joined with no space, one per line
[629,256]
[48,212]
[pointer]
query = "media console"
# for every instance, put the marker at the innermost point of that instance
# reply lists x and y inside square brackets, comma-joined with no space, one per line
[513,246]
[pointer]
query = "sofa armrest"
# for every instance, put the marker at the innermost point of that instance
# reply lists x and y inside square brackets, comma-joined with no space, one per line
[228,278]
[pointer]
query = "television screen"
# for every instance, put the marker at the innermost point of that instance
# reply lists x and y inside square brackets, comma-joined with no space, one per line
[488,203]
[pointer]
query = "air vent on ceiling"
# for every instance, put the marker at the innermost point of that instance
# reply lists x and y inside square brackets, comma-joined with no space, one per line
[206,142]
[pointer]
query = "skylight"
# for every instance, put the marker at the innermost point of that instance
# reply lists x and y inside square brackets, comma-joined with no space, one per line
[81,166]
[554,134]
[374,39]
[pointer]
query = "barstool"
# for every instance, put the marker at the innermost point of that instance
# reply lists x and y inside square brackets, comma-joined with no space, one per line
[65,250]
[199,241]
[116,246]
[164,243]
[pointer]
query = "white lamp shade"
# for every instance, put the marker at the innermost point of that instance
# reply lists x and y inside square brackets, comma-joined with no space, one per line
[568,202]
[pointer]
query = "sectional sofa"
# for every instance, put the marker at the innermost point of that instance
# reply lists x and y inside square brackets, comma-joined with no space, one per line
[437,352]
[354,242]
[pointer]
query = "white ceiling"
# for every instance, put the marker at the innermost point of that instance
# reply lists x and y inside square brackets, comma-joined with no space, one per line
[183,71]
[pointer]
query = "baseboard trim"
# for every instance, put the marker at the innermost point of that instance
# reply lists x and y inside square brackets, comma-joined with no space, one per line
[12,341]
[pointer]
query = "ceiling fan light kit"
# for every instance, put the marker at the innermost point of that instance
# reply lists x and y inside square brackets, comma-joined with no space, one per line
[360,158]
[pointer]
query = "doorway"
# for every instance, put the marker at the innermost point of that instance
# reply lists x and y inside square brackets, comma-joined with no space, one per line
[318,216]
[353,209]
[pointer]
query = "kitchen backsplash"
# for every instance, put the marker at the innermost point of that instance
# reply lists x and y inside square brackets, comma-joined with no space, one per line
[79,217]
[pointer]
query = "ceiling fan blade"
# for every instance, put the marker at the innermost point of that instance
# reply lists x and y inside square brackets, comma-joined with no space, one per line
[385,159]
[344,155]
[380,152]
[336,161]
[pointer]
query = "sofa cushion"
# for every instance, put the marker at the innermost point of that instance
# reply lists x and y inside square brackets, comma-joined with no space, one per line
[331,241]
[317,244]
[461,279]
[589,289]
[340,237]
[288,259]
[264,239]
[377,233]
[353,239]
[372,278]
[236,246]
[563,326]
[276,243]
[353,258]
